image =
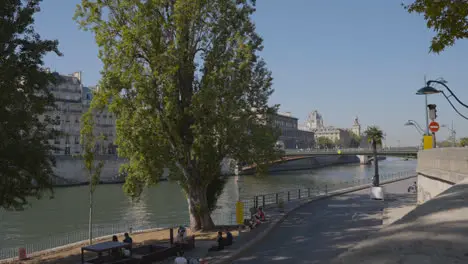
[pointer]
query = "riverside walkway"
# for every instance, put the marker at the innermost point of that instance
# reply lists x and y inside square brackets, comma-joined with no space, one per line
[320,231]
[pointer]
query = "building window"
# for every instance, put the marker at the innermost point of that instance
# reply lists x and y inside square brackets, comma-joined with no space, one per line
[77,140]
[77,120]
[67,118]
[57,141]
[67,150]
[57,120]
[67,139]
[57,150]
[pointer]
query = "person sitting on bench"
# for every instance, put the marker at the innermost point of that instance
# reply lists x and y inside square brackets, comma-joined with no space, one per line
[261,214]
[219,243]
[229,238]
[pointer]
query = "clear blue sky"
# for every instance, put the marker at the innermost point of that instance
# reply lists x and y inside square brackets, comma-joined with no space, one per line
[343,58]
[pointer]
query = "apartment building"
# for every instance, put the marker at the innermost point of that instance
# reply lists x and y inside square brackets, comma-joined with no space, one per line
[72,99]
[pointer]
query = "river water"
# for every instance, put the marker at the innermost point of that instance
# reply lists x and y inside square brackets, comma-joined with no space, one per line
[160,205]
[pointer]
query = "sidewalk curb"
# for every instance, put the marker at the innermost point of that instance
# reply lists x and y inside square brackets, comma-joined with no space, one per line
[274,224]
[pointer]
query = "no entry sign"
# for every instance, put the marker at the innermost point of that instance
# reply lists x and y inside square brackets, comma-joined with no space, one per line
[434,126]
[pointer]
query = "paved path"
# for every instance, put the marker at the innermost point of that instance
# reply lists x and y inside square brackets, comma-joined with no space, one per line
[321,230]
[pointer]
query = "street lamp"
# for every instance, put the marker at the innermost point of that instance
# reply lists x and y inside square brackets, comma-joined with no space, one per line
[428,90]
[416,125]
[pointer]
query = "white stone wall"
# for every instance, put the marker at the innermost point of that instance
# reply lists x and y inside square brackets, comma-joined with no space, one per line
[439,169]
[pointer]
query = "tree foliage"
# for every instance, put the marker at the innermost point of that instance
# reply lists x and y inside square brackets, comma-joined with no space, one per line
[324,142]
[355,140]
[448,18]
[88,139]
[26,162]
[463,141]
[374,135]
[188,89]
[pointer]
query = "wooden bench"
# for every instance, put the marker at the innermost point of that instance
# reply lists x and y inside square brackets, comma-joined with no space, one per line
[151,253]
[188,245]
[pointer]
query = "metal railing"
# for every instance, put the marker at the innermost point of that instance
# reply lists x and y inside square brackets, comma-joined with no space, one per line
[102,231]
[262,200]
[364,151]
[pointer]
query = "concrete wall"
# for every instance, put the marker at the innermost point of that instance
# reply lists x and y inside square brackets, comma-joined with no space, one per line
[310,163]
[439,169]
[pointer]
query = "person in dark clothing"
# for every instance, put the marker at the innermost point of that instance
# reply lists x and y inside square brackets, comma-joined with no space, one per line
[219,243]
[116,253]
[127,239]
[229,238]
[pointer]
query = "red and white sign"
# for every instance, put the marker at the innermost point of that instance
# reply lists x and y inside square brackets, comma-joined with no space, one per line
[434,126]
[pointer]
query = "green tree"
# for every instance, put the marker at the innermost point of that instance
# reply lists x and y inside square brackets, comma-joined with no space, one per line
[88,141]
[463,142]
[26,162]
[324,142]
[448,18]
[355,140]
[374,137]
[188,89]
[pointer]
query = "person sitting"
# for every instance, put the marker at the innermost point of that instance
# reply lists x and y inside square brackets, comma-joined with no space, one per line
[229,238]
[127,239]
[261,214]
[220,243]
[181,237]
[116,252]
[180,258]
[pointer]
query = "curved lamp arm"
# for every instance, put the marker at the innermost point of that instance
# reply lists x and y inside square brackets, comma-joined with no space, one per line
[417,125]
[411,123]
[451,93]
[451,104]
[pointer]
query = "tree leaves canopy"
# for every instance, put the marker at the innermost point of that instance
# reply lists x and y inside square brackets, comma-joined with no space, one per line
[187,86]
[26,163]
[374,135]
[448,18]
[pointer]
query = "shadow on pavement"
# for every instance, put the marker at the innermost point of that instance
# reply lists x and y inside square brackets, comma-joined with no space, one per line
[434,232]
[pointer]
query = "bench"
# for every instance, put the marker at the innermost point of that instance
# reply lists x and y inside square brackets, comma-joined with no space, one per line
[188,245]
[151,253]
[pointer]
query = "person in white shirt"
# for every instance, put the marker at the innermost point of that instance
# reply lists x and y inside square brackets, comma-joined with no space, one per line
[180,259]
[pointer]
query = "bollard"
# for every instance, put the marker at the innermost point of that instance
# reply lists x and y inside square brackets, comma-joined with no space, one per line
[288,197]
[299,193]
[308,192]
[263,201]
[326,189]
[171,236]
[277,201]
[22,254]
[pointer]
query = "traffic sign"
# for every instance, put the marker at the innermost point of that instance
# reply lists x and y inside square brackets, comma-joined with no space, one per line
[434,126]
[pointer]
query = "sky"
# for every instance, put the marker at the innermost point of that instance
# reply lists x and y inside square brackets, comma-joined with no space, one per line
[343,58]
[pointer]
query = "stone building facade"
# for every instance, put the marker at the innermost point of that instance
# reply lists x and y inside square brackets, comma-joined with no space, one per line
[72,99]
[291,137]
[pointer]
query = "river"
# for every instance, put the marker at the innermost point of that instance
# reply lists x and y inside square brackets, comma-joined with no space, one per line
[160,205]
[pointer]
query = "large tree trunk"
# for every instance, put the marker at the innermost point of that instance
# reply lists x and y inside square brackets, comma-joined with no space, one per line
[200,217]
[376,182]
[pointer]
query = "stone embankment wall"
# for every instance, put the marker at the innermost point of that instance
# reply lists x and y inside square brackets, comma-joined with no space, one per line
[439,169]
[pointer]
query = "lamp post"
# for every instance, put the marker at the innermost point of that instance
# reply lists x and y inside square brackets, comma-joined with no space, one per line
[416,125]
[428,89]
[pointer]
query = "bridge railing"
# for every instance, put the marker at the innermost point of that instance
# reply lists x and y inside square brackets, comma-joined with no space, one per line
[286,196]
[353,151]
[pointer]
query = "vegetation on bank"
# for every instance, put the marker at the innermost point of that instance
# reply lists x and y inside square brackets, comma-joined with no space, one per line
[26,160]
[189,89]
